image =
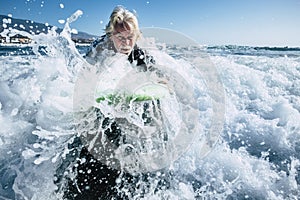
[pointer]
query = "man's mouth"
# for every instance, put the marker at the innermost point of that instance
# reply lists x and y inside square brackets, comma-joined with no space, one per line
[125,50]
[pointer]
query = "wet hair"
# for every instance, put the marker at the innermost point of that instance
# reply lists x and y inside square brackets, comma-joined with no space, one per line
[122,19]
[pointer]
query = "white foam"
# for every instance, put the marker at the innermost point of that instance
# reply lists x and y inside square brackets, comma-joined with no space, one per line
[258,156]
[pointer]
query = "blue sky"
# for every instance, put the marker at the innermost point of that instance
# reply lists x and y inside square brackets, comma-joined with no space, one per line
[212,22]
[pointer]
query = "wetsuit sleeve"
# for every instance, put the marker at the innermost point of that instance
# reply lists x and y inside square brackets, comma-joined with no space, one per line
[141,58]
[94,49]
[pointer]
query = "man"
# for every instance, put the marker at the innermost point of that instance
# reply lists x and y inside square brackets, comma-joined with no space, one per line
[92,179]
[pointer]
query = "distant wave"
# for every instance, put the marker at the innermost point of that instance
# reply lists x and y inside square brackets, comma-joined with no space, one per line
[254,51]
[19,50]
[224,47]
[27,49]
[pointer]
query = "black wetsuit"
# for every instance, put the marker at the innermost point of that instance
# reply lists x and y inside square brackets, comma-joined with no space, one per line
[95,180]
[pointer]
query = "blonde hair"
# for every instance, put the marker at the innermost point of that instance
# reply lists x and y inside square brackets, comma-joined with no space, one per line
[124,19]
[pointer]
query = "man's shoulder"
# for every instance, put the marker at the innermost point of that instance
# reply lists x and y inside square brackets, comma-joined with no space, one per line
[97,46]
[102,39]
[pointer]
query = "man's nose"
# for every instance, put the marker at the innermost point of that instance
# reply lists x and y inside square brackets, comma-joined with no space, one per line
[126,41]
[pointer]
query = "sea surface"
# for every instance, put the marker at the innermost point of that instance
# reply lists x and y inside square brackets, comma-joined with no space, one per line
[256,156]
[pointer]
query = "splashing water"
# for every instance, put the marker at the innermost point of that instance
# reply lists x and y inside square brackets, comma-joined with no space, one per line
[126,94]
[36,111]
[256,158]
[140,120]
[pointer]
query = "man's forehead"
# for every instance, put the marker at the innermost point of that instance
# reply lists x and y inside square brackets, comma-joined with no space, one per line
[124,32]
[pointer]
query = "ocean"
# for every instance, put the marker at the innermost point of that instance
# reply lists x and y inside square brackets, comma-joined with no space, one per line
[238,135]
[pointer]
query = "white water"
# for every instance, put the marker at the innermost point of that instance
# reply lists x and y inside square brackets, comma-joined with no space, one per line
[257,156]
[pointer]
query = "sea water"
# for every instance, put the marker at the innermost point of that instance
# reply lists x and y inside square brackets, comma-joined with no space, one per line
[255,157]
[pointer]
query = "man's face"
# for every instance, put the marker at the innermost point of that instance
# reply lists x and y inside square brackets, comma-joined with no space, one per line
[124,41]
